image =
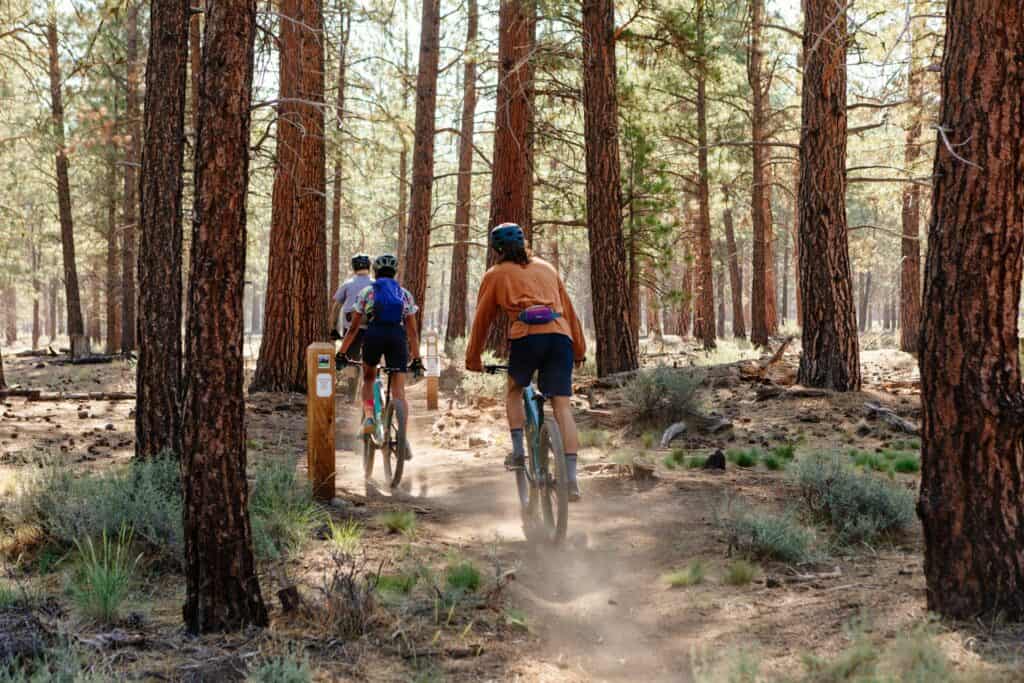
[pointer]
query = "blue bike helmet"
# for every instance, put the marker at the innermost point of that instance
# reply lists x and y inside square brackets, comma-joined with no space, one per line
[507,235]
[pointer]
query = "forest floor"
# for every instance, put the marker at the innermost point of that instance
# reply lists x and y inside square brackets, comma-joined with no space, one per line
[599,608]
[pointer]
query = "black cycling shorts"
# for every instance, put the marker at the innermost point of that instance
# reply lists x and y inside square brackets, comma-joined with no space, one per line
[388,342]
[549,355]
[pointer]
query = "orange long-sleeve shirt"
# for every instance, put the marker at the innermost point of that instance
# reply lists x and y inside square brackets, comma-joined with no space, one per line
[513,288]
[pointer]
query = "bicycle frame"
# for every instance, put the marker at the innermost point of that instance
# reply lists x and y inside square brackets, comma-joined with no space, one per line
[380,399]
[533,406]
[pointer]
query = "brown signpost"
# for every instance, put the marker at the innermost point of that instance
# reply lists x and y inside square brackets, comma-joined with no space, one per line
[320,419]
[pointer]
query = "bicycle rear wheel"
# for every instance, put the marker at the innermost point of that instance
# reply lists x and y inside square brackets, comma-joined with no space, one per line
[395,447]
[546,516]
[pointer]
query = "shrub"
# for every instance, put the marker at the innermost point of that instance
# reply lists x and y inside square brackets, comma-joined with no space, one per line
[773,463]
[104,577]
[907,445]
[649,440]
[282,509]
[396,583]
[785,451]
[917,659]
[286,669]
[663,394]
[765,536]
[859,507]
[677,458]
[907,464]
[858,662]
[695,462]
[593,438]
[348,605]
[398,521]
[743,458]
[740,573]
[60,664]
[345,536]
[691,576]
[462,577]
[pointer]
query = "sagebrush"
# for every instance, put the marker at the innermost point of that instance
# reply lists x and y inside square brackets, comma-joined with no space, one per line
[664,394]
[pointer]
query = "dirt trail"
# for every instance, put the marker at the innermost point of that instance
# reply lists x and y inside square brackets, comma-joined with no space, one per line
[597,604]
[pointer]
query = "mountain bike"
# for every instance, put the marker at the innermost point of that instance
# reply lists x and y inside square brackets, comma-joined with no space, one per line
[542,484]
[389,433]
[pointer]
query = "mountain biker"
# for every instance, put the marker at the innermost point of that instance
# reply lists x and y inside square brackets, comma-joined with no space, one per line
[390,313]
[545,335]
[344,301]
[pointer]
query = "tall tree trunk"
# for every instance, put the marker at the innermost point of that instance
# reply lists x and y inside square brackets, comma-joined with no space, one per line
[417,244]
[112,286]
[973,437]
[771,310]
[865,300]
[511,170]
[830,349]
[910,262]
[256,314]
[10,295]
[616,347]
[195,52]
[633,275]
[297,269]
[95,326]
[686,300]
[739,327]
[704,311]
[158,374]
[785,277]
[3,380]
[51,309]
[794,238]
[720,286]
[36,294]
[222,589]
[339,157]
[459,289]
[761,294]
[130,221]
[76,326]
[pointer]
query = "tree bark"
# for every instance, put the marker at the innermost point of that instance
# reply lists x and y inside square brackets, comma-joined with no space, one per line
[223,591]
[417,244]
[339,157]
[761,294]
[130,220]
[739,327]
[51,309]
[195,47]
[112,286]
[36,294]
[10,295]
[76,325]
[785,278]
[865,300]
[720,286]
[830,356]
[512,168]
[686,300]
[794,238]
[158,374]
[973,435]
[910,261]
[458,288]
[403,196]
[704,311]
[616,348]
[3,380]
[297,270]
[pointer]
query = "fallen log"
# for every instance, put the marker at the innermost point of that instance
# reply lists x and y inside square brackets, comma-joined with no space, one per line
[86,396]
[36,353]
[95,359]
[30,394]
[752,370]
[796,391]
[876,411]
[615,380]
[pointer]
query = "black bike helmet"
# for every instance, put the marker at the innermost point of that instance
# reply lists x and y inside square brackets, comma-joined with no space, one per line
[386,265]
[507,235]
[361,262]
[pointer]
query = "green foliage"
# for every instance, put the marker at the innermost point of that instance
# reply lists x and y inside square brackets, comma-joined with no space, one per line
[762,535]
[663,394]
[740,573]
[345,536]
[695,462]
[104,576]
[871,461]
[594,438]
[858,662]
[677,458]
[61,664]
[396,584]
[907,464]
[285,669]
[907,445]
[691,576]
[859,507]
[917,659]
[773,463]
[785,452]
[398,521]
[649,440]
[462,577]
[284,515]
[744,458]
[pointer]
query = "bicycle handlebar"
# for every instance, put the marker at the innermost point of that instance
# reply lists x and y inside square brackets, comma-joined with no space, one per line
[495,369]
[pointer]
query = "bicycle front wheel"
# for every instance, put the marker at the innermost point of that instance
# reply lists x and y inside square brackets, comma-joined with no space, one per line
[548,509]
[369,451]
[396,447]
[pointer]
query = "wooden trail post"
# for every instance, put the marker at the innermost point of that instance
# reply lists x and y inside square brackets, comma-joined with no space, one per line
[433,370]
[320,419]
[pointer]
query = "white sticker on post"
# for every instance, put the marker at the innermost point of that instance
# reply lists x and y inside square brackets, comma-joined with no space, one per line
[324,384]
[433,366]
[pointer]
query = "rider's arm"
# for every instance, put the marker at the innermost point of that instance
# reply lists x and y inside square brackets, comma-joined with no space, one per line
[579,340]
[486,309]
[353,330]
[412,334]
[332,318]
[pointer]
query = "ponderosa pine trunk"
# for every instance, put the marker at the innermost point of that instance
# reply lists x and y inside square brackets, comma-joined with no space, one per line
[10,297]
[458,286]
[403,196]
[195,56]
[222,588]
[794,238]
[910,261]
[720,286]
[112,286]
[761,294]
[830,357]
[511,161]
[339,157]
[36,294]
[297,269]
[417,243]
[616,348]
[972,488]
[865,301]
[3,380]
[76,325]
[158,374]
[686,296]
[130,216]
[739,327]
[785,278]
[51,308]
[704,310]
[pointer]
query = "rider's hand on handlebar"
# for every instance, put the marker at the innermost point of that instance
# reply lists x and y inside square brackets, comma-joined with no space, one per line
[334,335]
[416,367]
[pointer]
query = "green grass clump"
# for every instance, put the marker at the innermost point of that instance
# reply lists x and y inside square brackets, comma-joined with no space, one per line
[594,438]
[284,515]
[286,669]
[696,462]
[859,662]
[907,464]
[740,573]
[677,458]
[691,576]
[744,458]
[785,452]
[761,535]
[773,463]
[663,394]
[104,576]
[462,577]
[870,461]
[649,440]
[346,536]
[859,507]
[907,445]
[916,658]
[396,584]
[398,521]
